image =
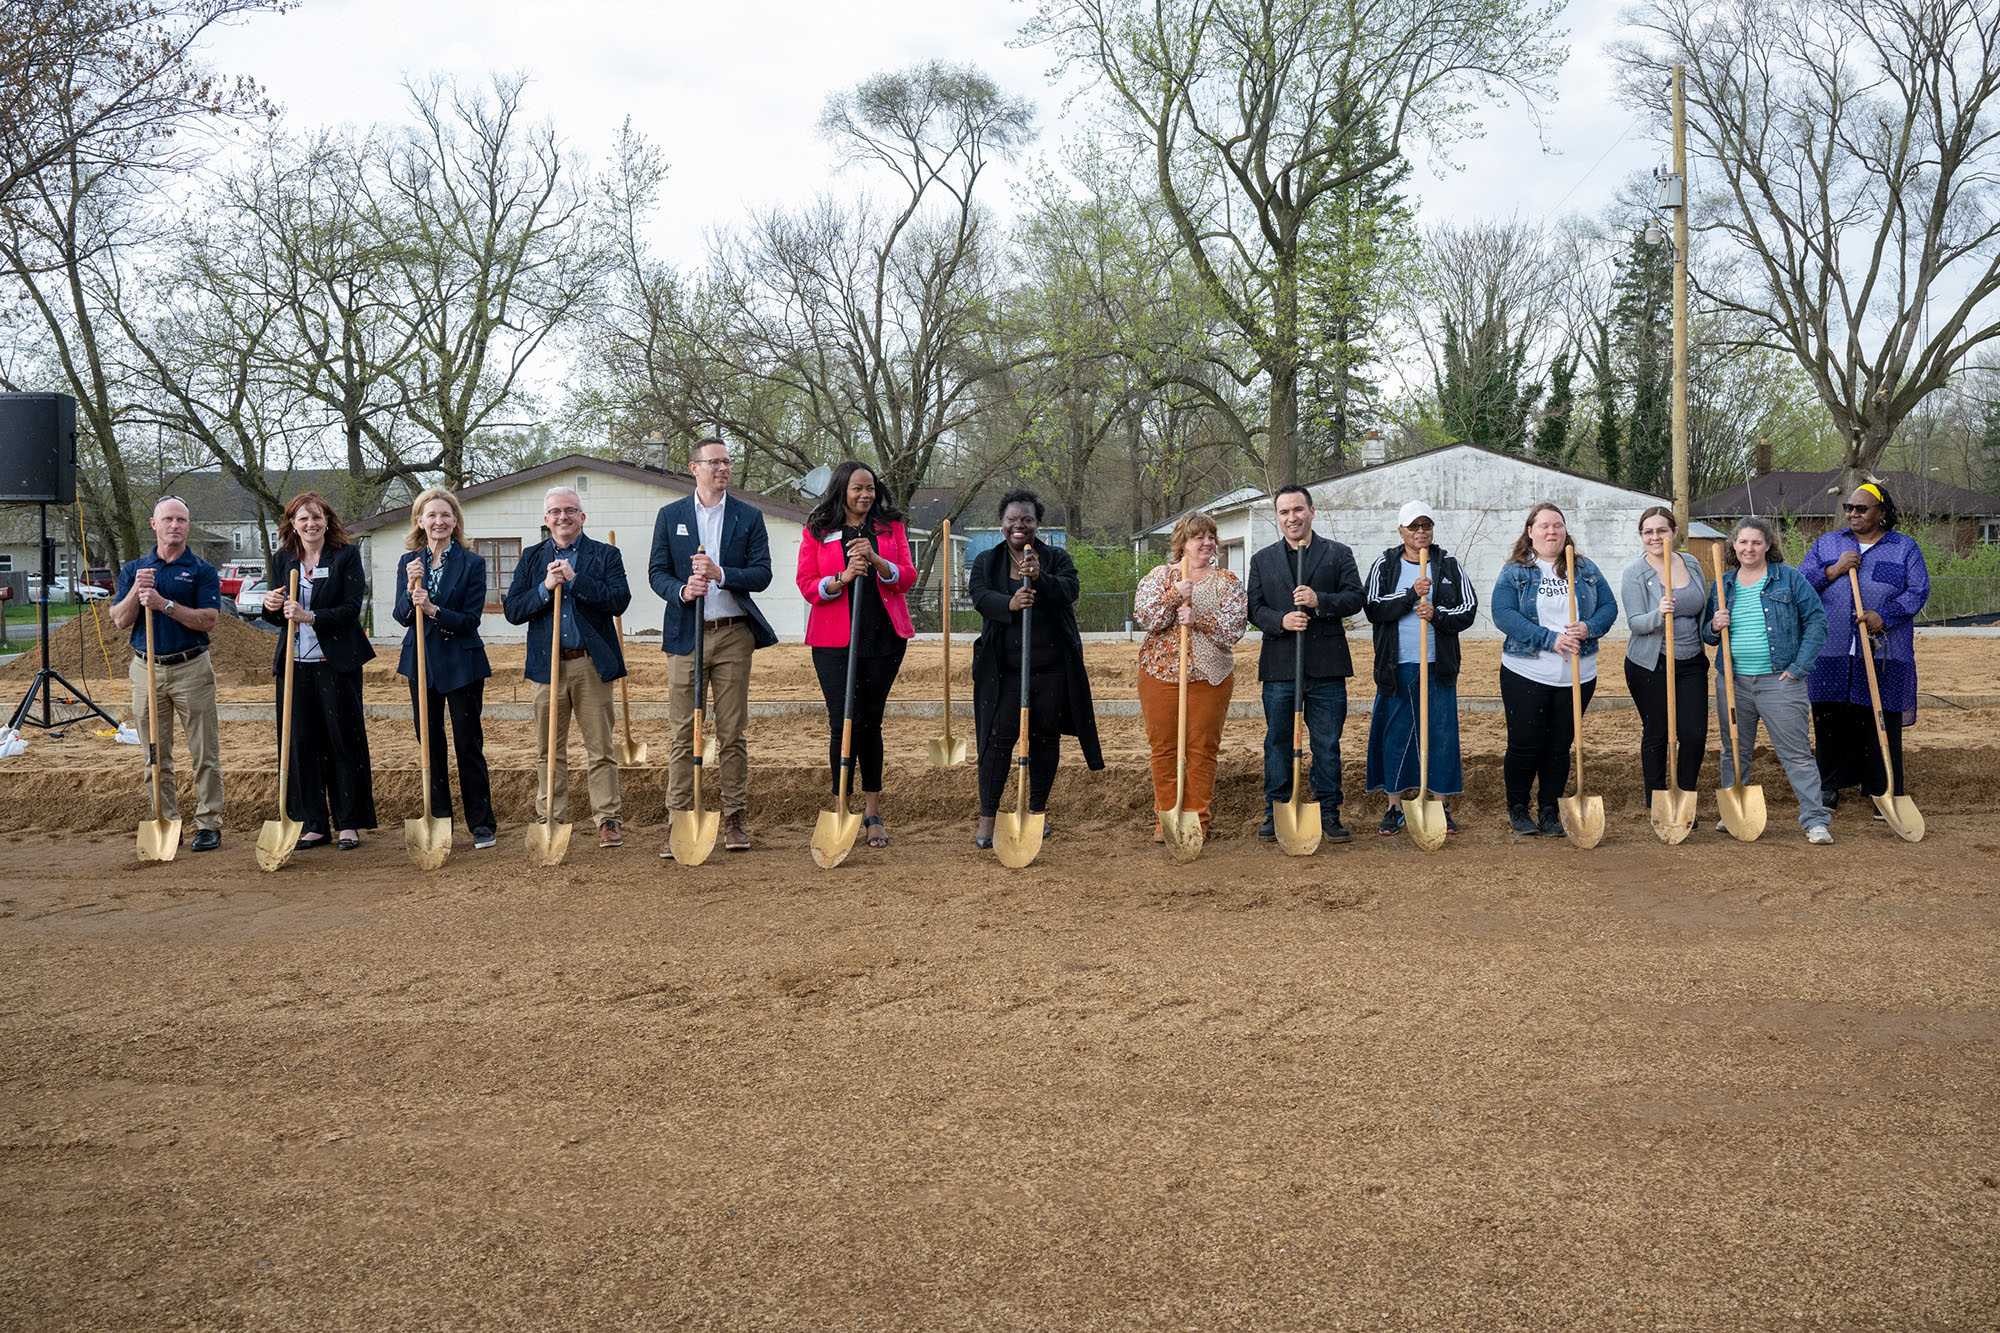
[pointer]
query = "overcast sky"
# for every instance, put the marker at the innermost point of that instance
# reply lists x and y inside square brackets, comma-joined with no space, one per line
[731,91]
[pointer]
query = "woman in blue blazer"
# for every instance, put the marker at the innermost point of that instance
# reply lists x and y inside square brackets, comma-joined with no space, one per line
[439,578]
[1542,650]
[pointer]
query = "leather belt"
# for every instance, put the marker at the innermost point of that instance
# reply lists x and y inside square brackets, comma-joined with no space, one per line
[571,654]
[720,621]
[175,659]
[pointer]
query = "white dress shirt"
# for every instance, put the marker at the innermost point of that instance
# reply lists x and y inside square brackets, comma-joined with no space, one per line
[720,603]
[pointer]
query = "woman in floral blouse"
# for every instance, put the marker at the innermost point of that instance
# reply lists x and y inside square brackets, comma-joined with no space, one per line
[1211,602]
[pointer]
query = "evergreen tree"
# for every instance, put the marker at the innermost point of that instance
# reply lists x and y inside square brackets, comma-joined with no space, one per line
[1480,394]
[1642,334]
[1609,450]
[1552,432]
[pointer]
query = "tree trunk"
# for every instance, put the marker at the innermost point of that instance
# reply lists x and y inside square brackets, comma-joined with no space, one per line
[1281,454]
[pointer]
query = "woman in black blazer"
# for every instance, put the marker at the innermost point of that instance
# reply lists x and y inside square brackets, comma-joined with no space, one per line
[330,786]
[444,581]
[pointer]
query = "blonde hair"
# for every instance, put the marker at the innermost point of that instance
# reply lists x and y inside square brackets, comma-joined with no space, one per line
[417,536]
[1191,526]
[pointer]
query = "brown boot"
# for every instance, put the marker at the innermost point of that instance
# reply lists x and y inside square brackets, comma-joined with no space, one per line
[608,834]
[735,837]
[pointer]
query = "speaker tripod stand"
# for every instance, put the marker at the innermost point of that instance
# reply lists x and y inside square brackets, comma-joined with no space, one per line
[47,677]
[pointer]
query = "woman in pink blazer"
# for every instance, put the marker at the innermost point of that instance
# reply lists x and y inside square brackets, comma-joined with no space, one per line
[854,546]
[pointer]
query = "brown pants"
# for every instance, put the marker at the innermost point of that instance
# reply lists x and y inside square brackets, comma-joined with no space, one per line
[725,662]
[187,694]
[589,699]
[1208,705]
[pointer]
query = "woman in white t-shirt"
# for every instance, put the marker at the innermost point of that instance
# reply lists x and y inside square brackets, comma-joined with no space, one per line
[1541,649]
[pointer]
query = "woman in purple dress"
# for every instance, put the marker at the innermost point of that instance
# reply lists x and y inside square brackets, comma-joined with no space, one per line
[1895,584]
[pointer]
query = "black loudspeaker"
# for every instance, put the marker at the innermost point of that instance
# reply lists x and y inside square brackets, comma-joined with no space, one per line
[38,447]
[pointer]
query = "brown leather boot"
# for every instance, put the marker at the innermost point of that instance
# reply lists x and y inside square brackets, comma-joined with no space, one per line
[735,837]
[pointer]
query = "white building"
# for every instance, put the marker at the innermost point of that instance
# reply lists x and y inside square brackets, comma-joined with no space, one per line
[1479,497]
[504,516]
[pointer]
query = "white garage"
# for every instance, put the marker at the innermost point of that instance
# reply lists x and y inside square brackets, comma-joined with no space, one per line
[504,516]
[1479,497]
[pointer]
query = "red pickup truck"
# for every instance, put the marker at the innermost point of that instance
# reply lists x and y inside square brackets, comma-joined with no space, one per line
[235,572]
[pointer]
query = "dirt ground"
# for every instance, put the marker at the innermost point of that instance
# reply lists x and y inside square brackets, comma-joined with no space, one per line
[1513,1085]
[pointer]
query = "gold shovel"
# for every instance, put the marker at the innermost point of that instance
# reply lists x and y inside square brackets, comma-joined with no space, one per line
[279,837]
[948,751]
[1673,809]
[691,833]
[427,837]
[1900,812]
[1742,805]
[1180,827]
[1424,816]
[628,752]
[159,838]
[835,831]
[548,841]
[1582,816]
[1298,832]
[1017,833]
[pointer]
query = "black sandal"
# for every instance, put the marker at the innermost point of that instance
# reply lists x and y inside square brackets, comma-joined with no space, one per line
[873,839]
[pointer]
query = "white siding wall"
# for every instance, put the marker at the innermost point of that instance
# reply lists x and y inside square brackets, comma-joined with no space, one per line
[611,504]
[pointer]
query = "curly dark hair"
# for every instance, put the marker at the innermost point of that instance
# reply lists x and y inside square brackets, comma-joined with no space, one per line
[830,514]
[1021,496]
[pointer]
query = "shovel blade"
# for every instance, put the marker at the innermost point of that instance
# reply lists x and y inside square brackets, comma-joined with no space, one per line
[833,837]
[691,835]
[947,751]
[628,754]
[1182,832]
[276,842]
[428,840]
[1673,815]
[1017,837]
[1902,816]
[1742,811]
[1297,825]
[1582,819]
[1424,818]
[548,844]
[159,839]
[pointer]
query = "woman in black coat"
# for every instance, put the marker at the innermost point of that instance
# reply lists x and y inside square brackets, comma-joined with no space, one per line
[1058,689]
[444,581]
[330,787]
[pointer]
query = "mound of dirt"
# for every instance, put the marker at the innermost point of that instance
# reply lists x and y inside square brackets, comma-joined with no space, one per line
[241,653]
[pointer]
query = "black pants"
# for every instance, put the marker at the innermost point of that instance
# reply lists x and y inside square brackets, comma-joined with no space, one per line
[873,678]
[1649,693]
[1849,755]
[1048,691]
[1539,734]
[330,786]
[465,704]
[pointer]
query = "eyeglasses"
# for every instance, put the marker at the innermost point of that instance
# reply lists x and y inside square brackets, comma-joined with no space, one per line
[1857,509]
[1422,525]
[564,512]
[711,462]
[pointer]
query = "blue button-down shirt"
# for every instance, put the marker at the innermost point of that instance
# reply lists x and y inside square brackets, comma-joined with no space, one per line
[187,579]
[571,636]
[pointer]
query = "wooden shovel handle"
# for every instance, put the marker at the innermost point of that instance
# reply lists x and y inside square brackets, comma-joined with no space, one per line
[1424,685]
[1874,690]
[285,723]
[1575,674]
[152,717]
[555,688]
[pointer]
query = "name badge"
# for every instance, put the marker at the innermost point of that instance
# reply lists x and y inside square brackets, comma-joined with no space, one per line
[319,574]
[833,540]
[680,529]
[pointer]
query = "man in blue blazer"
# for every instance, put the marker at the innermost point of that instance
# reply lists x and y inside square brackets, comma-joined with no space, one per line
[594,590]
[715,586]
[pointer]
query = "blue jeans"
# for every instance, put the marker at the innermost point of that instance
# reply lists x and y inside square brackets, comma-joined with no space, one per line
[1326,715]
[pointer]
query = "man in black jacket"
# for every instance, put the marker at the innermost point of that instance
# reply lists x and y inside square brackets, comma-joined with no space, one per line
[1303,584]
[592,576]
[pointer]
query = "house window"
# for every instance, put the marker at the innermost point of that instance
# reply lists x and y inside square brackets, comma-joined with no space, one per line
[501,555]
[1232,557]
[236,543]
[6,563]
[1989,532]
[582,484]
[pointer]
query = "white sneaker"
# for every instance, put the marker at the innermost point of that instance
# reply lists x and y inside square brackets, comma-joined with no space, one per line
[1820,834]
[1722,826]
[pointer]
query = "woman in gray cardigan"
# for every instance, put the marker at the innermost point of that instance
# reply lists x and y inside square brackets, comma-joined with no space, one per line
[1642,593]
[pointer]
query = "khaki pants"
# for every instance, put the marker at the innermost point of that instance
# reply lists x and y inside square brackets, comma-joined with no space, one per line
[187,692]
[588,697]
[725,661]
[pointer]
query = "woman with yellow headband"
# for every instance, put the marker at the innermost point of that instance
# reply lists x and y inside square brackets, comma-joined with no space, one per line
[1895,584]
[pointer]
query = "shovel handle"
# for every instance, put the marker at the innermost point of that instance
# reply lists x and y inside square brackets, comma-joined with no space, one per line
[1728,672]
[1575,673]
[1424,686]
[285,723]
[842,783]
[1667,665]
[555,688]
[1180,725]
[423,711]
[944,618]
[1874,689]
[152,718]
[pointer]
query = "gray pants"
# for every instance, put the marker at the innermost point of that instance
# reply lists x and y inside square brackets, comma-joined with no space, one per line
[1787,716]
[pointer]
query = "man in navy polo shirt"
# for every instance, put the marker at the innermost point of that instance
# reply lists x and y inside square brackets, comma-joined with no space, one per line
[184,592]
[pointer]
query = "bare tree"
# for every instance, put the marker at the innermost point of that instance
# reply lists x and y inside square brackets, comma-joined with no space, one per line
[1252,111]
[1850,152]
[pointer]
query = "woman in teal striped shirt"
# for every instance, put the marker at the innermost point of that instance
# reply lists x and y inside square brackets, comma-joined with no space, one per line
[1776,626]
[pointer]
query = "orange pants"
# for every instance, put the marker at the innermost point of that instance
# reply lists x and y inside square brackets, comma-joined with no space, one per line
[1208,705]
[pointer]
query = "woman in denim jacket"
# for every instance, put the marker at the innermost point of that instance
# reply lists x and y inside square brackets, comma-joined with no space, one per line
[1541,648]
[1777,626]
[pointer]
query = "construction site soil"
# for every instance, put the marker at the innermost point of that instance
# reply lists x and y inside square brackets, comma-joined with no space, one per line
[1515,1084]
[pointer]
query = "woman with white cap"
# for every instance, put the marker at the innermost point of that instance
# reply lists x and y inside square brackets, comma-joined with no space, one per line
[1411,584]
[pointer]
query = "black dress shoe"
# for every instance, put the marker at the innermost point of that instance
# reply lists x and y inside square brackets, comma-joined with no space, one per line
[205,840]
[1330,826]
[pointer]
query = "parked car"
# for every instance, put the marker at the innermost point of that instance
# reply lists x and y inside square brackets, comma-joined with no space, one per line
[250,596]
[235,572]
[66,589]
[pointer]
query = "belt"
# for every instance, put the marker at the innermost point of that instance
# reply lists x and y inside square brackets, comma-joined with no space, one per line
[175,659]
[571,654]
[720,621]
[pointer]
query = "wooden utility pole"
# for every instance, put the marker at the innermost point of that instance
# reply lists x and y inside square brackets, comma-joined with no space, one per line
[1682,483]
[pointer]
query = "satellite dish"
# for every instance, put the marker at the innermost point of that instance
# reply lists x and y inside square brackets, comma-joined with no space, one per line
[813,484]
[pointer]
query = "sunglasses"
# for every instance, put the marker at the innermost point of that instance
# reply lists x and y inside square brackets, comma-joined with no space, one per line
[1421,525]
[1857,509]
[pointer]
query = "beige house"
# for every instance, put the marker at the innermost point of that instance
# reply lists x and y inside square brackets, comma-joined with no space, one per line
[504,516]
